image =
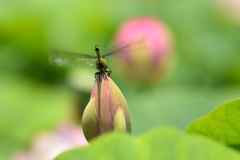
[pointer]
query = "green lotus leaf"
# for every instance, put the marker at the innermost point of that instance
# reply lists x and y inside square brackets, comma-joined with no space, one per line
[222,124]
[160,143]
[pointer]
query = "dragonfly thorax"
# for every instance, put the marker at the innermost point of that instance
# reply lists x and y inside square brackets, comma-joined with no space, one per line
[101,64]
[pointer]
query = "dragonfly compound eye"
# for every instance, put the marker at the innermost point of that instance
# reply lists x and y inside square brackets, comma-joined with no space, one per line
[96,48]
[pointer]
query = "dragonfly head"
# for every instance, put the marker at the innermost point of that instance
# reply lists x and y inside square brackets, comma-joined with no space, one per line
[97,48]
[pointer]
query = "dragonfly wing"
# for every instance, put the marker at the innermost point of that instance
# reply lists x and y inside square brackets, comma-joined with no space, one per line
[70,59]
[121,50]
[112,52]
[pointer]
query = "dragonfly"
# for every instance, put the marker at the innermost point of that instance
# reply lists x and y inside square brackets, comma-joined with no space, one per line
[79,60]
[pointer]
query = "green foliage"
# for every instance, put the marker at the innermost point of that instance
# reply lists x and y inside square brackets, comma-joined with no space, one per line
[25,108]
[222,124]
[161,143]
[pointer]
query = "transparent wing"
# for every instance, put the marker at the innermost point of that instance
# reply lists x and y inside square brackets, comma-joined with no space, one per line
[121,50]
[70,59]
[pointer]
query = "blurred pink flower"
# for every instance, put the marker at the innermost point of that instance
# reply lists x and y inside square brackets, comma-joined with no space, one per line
[46,145]
[230,9]
[151,59]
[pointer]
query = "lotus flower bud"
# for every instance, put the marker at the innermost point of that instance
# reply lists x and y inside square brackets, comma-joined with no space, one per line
[149,61]
[230,9]
[107,109]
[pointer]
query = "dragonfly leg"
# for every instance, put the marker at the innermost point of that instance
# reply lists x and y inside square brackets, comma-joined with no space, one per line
[109,71]
[96,75]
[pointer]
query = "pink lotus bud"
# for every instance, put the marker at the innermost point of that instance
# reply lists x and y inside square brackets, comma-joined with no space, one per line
[230,9]
[107,109]
[152,58]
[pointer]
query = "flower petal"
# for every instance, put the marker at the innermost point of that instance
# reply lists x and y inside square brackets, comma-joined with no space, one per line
[89,121]
[119,123]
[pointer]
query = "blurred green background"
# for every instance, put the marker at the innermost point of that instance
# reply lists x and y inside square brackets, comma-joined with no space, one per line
[35,96]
